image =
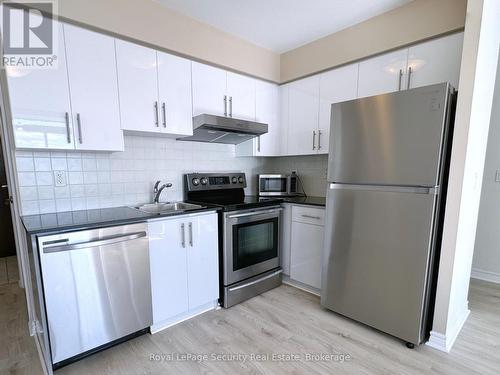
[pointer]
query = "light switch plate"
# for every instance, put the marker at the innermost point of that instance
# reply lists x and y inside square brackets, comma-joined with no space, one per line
[60,178]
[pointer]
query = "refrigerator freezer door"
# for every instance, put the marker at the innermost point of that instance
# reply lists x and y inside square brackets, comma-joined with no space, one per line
[391,139]
[377,249]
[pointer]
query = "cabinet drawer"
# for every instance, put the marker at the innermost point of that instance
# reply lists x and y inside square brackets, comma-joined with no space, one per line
[308,215]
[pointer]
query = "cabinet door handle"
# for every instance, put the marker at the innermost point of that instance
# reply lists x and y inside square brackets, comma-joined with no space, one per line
[230,106]
[79,125]
[156,114]
[311,217]
[164,112]
[319,139]
[68,135]
[409,78]
[225,105]
[399,78]
[190,225]
[314,139]
[183,236]
[258,143]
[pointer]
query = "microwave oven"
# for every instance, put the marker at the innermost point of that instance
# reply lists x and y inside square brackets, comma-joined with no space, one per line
[278,185]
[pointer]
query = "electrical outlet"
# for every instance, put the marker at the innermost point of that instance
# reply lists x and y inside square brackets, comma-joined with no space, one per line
[60,178]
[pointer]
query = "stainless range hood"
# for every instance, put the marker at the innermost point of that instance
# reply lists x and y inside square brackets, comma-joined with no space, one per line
[220,129]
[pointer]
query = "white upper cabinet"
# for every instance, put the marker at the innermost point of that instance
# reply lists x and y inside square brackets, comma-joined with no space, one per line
[284,118]
[303,116]
[209,90]
[241,96]
[174,82]
[40,104]
[267,110]
[436,61]
[138,87]
[335,86]
[155,90]
[93,89]
[382,74]
[222,93]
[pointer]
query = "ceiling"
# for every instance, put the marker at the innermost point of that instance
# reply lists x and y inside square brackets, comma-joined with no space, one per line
[281,25]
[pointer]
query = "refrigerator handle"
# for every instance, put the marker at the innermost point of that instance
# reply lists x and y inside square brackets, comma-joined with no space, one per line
[400,77]
[431,190]
[314,139]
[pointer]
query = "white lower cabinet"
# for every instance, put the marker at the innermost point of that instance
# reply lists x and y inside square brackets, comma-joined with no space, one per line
[184,267]
[302,252]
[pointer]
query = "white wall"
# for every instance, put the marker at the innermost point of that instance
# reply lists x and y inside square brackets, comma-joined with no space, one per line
[486,263]
[476,87]
[99,179]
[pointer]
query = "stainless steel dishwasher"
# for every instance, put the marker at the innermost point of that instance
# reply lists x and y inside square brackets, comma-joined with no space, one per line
[97,288]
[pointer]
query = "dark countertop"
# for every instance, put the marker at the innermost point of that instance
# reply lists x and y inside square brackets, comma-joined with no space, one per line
[310,201]
[88,219]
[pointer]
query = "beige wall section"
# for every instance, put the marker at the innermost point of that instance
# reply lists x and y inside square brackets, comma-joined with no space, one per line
[149,22]
[416,21]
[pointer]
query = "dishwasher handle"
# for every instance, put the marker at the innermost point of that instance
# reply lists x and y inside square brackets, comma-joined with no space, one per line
[108,240]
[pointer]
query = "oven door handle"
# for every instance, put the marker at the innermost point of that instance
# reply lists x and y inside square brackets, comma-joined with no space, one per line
[255,281]
[255,213]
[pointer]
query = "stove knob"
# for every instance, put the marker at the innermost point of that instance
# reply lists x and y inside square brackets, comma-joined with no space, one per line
[203,180]
[195,181]
[240,179]
[234,180]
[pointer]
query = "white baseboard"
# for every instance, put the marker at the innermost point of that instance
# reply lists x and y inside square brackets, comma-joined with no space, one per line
[492,277]
[184,316]
[443,342]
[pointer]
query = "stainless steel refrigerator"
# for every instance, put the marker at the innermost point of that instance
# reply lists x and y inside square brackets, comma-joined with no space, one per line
[387,172]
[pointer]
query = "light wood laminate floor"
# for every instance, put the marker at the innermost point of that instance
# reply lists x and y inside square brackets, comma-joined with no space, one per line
[284,320]
[9,272]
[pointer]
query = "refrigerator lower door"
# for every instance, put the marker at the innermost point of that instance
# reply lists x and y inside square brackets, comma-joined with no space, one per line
[378,243]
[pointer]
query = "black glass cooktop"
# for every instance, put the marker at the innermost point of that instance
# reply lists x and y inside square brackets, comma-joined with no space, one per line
[233,203]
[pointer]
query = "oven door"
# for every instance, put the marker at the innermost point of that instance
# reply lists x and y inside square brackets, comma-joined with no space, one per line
[273,185]
[251,243]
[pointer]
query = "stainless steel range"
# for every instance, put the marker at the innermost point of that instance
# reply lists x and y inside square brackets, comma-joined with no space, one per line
[249,234]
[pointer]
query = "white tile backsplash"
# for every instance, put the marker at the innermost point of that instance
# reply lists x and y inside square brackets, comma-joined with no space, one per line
[24,164]
[123,178]
[42,164]
[101,179]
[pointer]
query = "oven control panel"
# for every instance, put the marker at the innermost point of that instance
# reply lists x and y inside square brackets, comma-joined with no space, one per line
[214,181]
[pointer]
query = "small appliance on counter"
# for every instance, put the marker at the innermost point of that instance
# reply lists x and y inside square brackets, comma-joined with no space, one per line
[249,234]
[279,185]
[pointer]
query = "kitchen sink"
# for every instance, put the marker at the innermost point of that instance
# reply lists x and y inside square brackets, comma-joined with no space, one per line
[160,208]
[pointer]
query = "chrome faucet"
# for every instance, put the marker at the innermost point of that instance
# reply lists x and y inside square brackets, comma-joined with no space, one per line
[157,190]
